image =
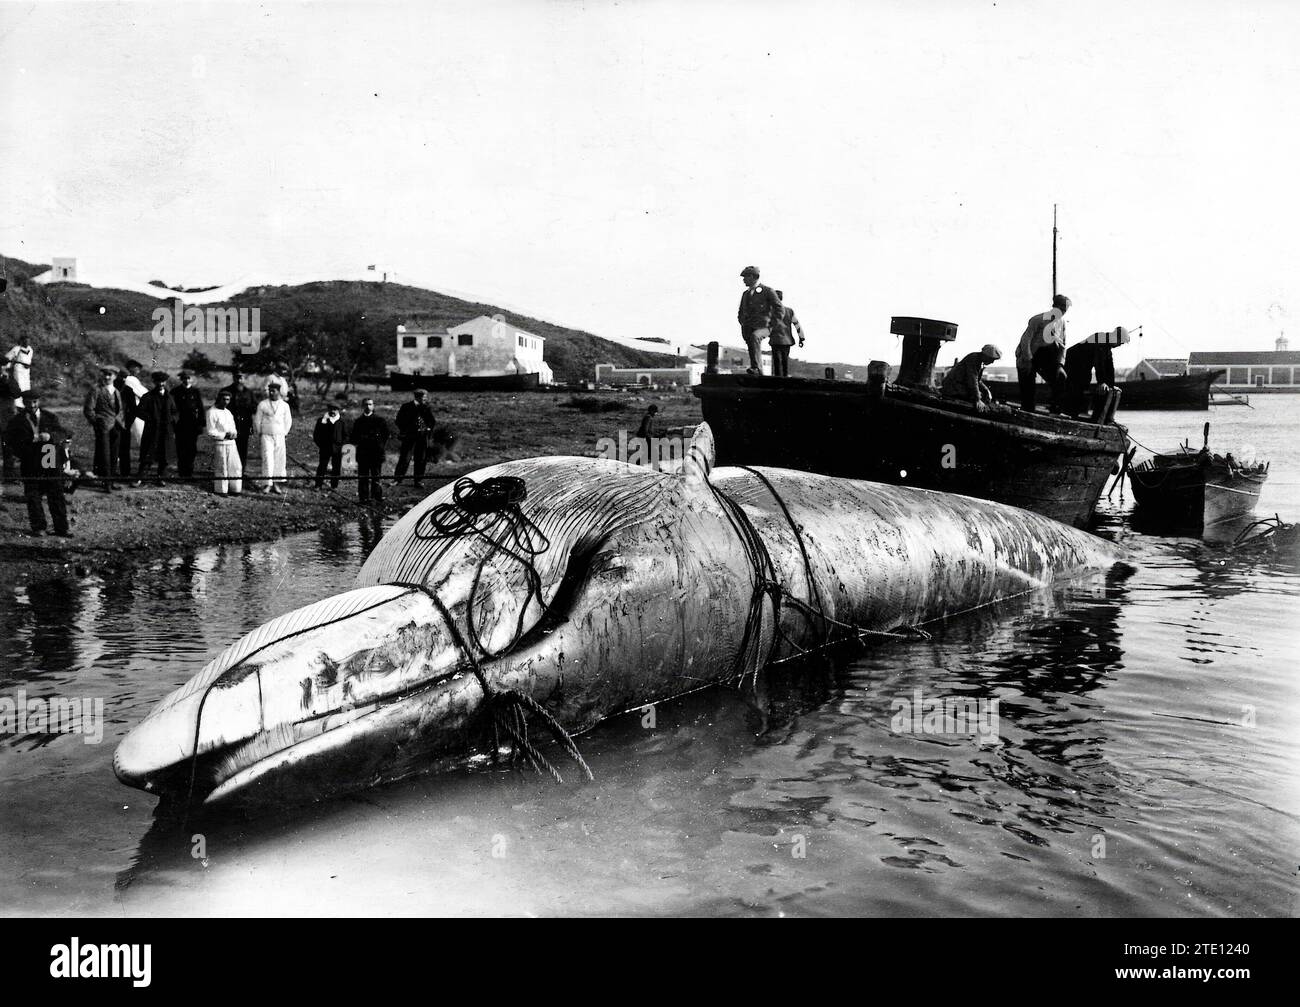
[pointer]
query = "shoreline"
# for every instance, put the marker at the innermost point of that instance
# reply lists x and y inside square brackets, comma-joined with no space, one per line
[151,521]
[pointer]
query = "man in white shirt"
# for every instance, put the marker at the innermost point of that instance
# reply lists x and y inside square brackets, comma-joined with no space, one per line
[272,423]
[19,364]
[1041,351]
[227,470]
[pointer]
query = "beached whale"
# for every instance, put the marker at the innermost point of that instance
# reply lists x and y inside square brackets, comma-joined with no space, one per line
[556,592]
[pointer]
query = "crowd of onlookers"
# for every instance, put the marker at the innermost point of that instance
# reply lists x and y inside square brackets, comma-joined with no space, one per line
[136,430]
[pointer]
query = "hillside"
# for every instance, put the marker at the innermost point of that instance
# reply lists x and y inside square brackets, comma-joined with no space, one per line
[572,353]
[66,356]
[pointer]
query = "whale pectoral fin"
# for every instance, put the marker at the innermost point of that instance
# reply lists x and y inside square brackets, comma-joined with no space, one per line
[697,461]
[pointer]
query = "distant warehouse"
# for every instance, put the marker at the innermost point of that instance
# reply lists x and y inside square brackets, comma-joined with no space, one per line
[658,377]
[482,347]
[1251,370]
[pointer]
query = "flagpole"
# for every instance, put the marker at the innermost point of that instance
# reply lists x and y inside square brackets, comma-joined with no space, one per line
[1053,250]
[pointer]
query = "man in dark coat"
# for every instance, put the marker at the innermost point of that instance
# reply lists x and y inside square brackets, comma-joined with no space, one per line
[370,435]
[1081,359]
[158,410]
[38,439]
[243,404]
[330,434]
[191,418]
[965,380]
[414,425]
[103,411]
[783,338]
[760,311]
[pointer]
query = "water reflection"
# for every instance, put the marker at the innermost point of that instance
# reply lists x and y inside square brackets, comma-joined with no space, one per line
[1111,693]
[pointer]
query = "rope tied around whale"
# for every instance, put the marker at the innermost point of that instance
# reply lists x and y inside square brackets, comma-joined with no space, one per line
[767,585]
[491,510]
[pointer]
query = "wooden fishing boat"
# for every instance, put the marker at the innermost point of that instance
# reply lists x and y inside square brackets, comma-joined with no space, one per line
[402,382]
[905,433]
[1196,489]
[1179,391]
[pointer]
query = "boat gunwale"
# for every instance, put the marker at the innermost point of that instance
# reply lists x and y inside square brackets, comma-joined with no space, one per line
[1030,426]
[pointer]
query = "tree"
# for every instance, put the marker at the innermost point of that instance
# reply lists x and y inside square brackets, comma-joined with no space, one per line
[325,346]
[199,364]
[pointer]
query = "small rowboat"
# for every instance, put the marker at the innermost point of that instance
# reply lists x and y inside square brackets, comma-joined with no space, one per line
[1196,488]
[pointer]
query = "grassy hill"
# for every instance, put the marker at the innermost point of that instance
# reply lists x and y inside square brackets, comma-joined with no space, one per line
[572,353]
[65,355]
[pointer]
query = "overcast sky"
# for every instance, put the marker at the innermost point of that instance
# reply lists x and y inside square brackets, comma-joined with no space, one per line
[613,165]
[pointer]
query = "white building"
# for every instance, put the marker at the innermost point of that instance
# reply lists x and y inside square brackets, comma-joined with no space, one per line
[1153,368]
[482,347]
[63,270]
[685,376]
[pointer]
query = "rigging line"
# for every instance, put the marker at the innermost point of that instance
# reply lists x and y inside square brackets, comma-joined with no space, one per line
[1123,293]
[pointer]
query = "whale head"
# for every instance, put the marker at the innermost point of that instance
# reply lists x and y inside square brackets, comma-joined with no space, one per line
[389,678]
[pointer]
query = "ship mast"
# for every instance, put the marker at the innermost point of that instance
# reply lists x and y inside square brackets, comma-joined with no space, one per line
[1053,250]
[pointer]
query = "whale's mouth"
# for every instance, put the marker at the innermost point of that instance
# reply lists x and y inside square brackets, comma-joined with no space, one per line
[335,696]
[302,680]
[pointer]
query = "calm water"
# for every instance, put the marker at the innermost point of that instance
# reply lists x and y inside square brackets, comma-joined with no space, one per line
[1147,762]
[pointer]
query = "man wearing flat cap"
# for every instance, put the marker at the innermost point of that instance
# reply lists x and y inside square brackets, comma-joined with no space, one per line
[107,418]
[39,440]
[1041,351]
[158,410]
[190,421]
[760,312]
[965,381]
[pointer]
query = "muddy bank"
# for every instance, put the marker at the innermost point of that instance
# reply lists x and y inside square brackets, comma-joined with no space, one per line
[163,520]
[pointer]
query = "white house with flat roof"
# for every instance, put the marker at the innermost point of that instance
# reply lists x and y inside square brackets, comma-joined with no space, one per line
[482,347]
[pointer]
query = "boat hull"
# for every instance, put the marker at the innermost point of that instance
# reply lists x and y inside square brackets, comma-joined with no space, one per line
[1182,391]
[1046,464]
[1193,495]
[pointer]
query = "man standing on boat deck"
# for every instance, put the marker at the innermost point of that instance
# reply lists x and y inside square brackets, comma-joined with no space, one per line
[1041,351]
[1081,359]
[783,338]
[760,311]
[965,381]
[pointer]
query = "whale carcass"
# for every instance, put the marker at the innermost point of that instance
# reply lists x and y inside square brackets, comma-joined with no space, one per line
[557,592]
